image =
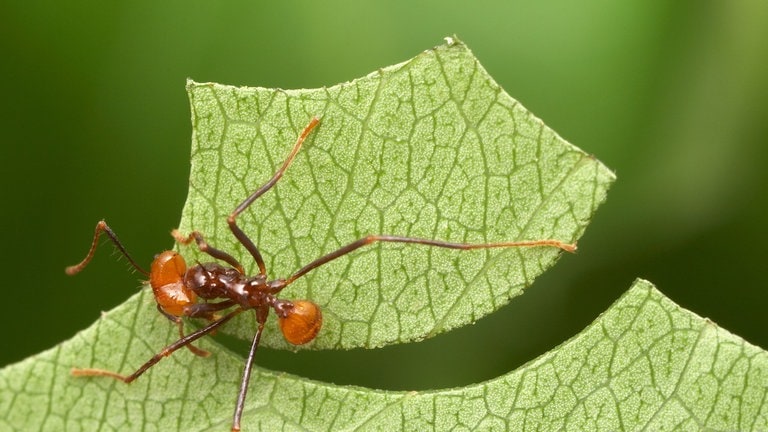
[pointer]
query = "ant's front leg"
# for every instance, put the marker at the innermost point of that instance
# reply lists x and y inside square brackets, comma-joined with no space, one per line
[168,350]
[197,310]
[206,248]
[207,310]
[180,324]
[232,219]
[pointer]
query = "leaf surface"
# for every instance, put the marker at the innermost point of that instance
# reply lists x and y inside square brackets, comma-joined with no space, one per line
[644,364]
[431,148]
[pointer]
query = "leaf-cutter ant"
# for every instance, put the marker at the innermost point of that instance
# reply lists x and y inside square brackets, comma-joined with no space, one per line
[178,289]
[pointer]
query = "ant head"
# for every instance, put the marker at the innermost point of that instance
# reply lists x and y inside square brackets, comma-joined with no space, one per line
[166,277]
[300,323]
[168,267]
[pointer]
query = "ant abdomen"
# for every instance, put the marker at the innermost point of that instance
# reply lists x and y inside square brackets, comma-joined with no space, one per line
[301,323]
[166,277]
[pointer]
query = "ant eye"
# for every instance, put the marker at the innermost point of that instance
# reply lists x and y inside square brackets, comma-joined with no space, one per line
[302,323]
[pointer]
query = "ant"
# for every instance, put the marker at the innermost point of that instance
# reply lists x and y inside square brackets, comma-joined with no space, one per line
[177,288]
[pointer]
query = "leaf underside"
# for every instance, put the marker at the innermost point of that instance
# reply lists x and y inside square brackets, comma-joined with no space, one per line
[645,364]
[429,148]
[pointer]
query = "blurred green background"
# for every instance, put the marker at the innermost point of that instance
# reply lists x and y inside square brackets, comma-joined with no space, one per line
[672,95]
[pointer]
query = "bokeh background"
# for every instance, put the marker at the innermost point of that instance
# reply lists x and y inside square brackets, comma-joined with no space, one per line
[672,95]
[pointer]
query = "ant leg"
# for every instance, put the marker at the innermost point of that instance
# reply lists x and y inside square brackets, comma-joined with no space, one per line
[102,226]
[206,310]
[240,405]
[186,340]
[205,247]
[239,234]
[395,239]
[180,324]
[200,310]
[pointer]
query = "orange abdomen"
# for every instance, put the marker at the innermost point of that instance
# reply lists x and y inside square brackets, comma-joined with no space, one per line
[302,323]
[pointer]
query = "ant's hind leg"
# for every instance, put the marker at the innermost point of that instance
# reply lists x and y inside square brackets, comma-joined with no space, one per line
[206,248]
[367,240]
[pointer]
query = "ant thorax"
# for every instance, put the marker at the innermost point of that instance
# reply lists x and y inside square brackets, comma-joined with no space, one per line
[215,281]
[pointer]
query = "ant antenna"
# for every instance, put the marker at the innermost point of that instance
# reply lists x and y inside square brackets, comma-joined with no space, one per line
[103,227]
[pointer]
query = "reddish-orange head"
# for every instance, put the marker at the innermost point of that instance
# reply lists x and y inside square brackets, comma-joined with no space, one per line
[167,279]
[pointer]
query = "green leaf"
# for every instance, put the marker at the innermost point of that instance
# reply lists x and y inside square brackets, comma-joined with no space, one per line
[429,148]
[644,364]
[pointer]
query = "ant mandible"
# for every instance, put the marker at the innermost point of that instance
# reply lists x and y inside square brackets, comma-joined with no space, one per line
[177,288]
